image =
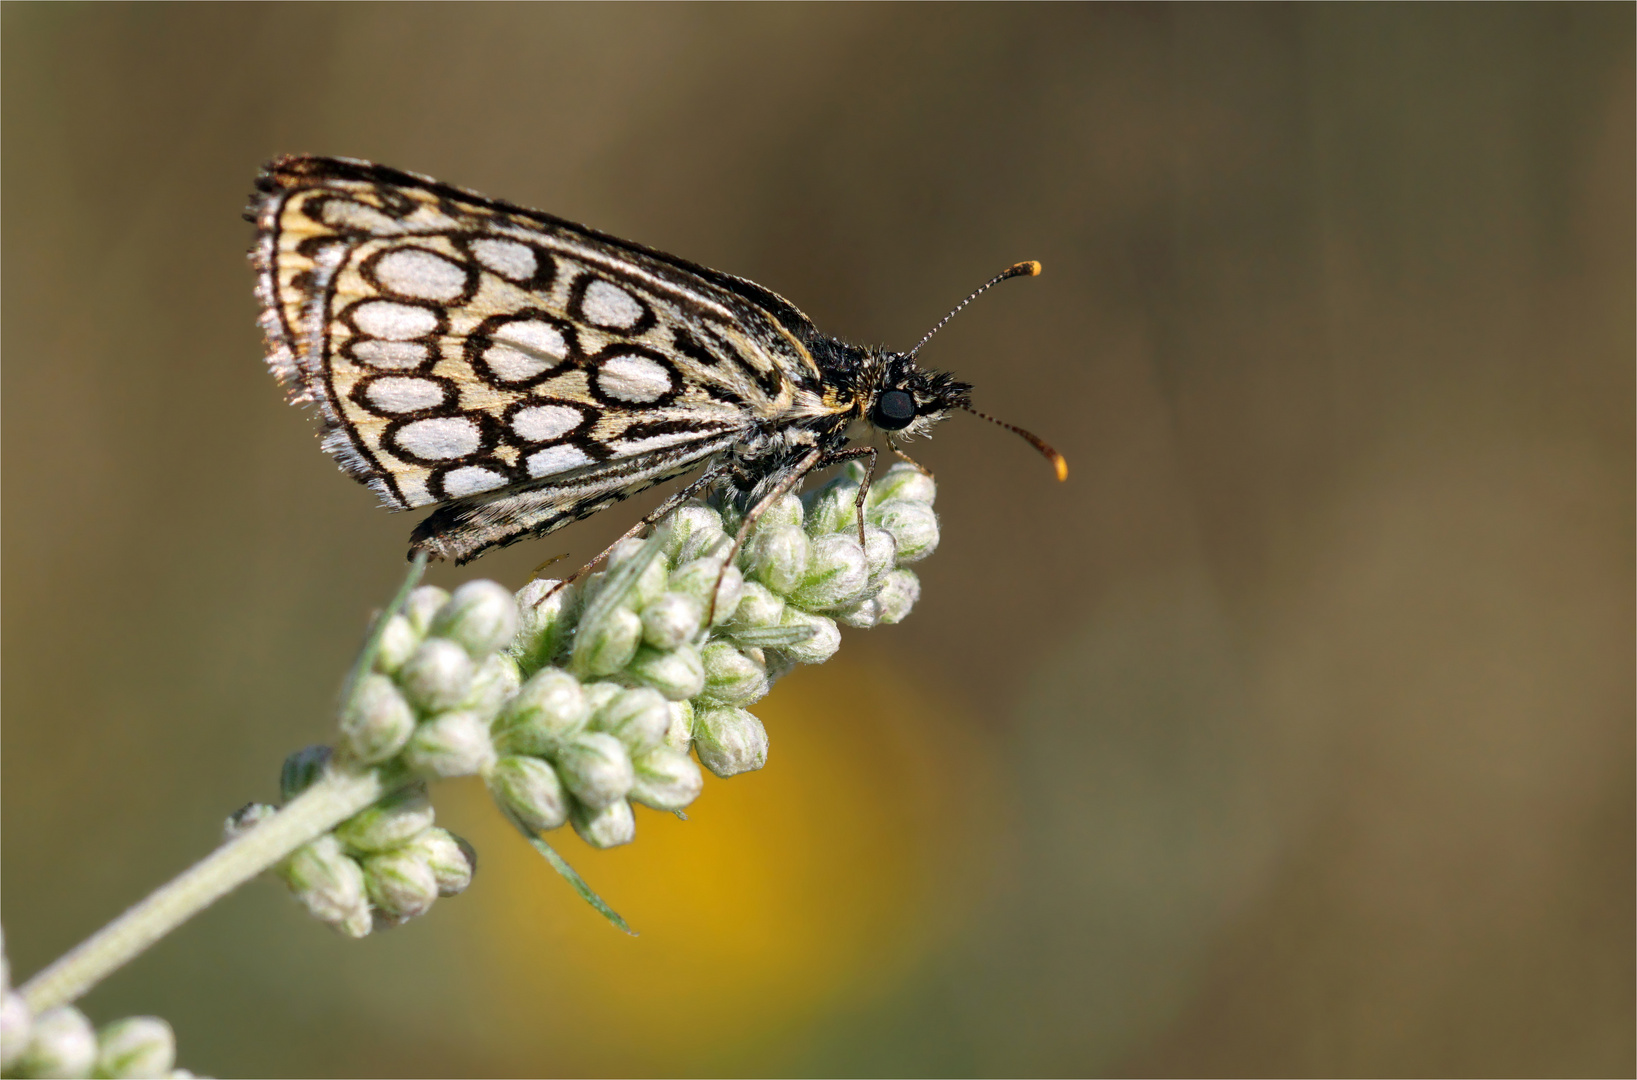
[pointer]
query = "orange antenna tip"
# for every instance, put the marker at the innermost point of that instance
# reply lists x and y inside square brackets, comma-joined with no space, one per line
[1030,267]
[1059,463]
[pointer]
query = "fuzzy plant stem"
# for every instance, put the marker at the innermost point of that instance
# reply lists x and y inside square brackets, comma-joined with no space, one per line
[330,801]
[336,796]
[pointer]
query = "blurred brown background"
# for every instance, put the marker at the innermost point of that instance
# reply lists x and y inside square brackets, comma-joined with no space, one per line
[1293,735]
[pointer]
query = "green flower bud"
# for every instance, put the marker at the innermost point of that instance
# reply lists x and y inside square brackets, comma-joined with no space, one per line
[779,664]
[596,768]
[833,508]
[836,574]
[705,536]
[605,648]
[914,525]
[677,674]
[787,511]
[609,826]
[731,677]
[671,620]
[454,743]
[699,577]
[777,557]
[529,788]
[62,1043]
[301,768]
[598,695]
[245,818]
[880,554]
[821,646]
[902,481]
[692,525]
[398,641]
[729,740]
[623,552]
[137,1046]
[898,594]
[547,711]
[547,611]
[422,605]
[451,861]
[480,616]
[759,606]
[863,614]
[378,721]
[679,735]
[16,1030]
[394,820]
[400,883]
[437,676]
[638,718]
[495,680]
[666,779]
[649,584]
[329,884]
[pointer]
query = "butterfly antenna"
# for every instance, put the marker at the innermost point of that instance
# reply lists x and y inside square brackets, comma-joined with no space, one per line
[1058,461]
[1022,269]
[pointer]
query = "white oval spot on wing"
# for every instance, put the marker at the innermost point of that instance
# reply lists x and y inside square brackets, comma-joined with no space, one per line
[346,214]
[556,459]
[471,479]
[524,349]
[509,365]
[397,394]
[637,379]
[610,306]
[389,355]
[394,322]
[421,274]
[506,258]
[439,439]
[532,336]
[541,423]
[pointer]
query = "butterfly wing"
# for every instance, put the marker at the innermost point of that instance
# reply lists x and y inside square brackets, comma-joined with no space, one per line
[527,369]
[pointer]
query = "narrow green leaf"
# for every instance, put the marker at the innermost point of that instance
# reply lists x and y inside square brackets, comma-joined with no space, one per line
[773,636]
[559,864]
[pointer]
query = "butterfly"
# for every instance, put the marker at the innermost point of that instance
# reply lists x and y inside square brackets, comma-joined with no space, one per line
[519,372]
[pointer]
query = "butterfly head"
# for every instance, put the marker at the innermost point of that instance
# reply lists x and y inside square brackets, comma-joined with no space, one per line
[907,400]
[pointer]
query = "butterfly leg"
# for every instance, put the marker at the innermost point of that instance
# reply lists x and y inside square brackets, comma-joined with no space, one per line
[922,469]
[553,561]
[850,454]
[790,480]
[659,512]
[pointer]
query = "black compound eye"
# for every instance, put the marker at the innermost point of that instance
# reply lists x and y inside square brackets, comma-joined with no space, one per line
[893,410]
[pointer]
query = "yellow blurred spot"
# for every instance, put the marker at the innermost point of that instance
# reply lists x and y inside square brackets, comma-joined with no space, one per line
[814,881]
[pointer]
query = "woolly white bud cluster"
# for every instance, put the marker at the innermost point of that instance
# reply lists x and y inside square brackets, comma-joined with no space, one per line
[623,676]
[575,701]
[60,1042]
[377,869]
[439,679]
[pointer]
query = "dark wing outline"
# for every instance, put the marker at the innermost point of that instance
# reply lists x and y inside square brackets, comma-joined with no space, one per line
[297,171]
